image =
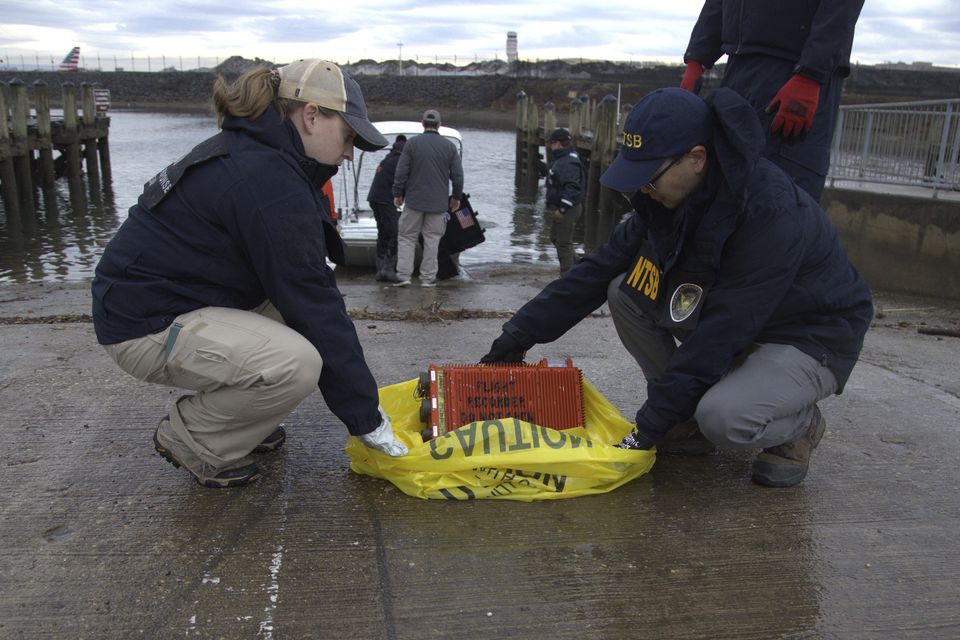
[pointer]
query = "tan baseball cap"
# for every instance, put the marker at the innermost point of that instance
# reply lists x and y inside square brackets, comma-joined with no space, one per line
[327,85]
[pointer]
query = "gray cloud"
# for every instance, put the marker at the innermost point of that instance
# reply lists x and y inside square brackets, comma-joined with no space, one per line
[921,30]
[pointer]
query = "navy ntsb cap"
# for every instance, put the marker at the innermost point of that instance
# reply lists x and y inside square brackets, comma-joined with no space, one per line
[431,116]
[559,135]
[328,86]
[666,123]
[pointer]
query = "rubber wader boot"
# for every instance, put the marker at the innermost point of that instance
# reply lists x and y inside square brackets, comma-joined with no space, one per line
[786,465]
[386,268]
[686,439]
[237,473]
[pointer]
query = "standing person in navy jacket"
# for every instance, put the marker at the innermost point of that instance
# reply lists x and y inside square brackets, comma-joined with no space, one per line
[727,256]
[385,213]
[789,60]
[564,195]
[217,282]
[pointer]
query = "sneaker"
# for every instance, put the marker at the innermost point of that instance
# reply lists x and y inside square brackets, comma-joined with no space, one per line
[786,464]
[686,439]
[402,283]
[428,283]
[272,442]
[238,473]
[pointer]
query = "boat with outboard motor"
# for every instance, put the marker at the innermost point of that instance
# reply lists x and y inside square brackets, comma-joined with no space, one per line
[356,223]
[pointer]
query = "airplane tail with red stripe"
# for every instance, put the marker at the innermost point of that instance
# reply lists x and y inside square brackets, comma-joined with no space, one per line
[72,61]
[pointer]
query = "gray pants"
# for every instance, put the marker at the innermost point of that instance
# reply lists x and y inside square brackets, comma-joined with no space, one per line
[248,369]
[412,224]
[765,399]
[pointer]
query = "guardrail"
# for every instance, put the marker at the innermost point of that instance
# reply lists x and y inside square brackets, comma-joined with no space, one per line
[901,143]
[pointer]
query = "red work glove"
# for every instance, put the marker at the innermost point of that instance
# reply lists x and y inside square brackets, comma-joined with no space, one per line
[797,100]
[691,76]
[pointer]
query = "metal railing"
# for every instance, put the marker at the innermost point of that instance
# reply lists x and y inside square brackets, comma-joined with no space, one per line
[900,143]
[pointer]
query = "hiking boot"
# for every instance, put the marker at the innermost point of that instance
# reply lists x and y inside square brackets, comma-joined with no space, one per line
[386,275]
[786,464]
[238,473]
[686,439]
[272,442]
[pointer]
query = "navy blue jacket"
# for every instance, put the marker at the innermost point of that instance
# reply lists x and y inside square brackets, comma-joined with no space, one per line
[768,258]
[815,34]
[246,225]
[565,179]
[381,188]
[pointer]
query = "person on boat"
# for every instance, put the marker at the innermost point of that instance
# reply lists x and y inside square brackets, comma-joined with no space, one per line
[385,213]
[429,168]
[726,255]
[217,282]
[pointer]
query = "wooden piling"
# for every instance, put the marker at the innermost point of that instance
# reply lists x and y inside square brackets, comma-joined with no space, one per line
[22,153]
[21,136]
[8,178]
[532,144]
[576,118]
[521,123]
[549,118]
[71,141]
[90,143]
[44,142]
[605,146]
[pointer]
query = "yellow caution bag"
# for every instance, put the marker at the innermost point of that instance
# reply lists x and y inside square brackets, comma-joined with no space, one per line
[505,459]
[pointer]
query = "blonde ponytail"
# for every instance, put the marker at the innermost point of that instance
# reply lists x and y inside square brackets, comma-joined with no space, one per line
[250,95]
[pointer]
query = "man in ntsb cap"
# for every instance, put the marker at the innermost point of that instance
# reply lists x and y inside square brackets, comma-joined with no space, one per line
[728,285]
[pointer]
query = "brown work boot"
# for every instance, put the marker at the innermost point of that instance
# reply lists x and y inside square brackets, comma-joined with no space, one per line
[272,442]
[686,439]
[786,464]
[235,474]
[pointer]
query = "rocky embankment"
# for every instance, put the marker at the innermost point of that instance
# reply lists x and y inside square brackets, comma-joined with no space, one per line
[483,88]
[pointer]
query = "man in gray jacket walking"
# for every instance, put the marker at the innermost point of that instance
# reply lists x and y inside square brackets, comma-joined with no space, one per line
[428,165]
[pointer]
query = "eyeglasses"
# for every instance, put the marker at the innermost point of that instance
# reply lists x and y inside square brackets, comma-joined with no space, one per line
[651,186]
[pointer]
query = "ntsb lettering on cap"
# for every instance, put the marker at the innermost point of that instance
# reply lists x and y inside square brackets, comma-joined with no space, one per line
[632,140]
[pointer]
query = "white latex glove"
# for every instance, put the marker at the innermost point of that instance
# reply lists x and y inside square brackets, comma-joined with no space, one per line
[382,438]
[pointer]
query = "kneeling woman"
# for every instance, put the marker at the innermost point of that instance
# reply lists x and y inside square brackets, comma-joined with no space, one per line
[217,282]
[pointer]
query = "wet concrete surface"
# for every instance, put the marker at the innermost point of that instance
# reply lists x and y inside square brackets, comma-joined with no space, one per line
[103,539]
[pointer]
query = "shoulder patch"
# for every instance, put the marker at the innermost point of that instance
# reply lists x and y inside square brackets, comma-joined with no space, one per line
[157,187]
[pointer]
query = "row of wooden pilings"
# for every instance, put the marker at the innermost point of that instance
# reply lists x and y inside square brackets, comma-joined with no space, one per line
[28,140]
[595,129]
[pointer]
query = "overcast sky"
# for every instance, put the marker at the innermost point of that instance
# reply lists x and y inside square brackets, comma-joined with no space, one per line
[283,30]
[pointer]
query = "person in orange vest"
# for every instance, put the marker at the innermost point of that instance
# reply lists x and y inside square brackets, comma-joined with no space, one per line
[327,190]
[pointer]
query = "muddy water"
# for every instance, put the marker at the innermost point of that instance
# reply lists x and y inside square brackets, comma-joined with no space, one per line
[64,239]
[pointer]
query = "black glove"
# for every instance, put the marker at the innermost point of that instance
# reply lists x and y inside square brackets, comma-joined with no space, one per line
[506,348]
[637,440]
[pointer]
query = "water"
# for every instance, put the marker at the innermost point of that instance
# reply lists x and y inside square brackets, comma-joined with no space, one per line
[64,239]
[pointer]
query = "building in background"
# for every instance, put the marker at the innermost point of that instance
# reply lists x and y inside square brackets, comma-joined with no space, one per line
[511,46]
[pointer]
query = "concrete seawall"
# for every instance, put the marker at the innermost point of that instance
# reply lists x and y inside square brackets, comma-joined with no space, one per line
[898,242]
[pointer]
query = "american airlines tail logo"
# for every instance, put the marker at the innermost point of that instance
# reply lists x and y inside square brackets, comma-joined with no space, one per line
[72,61]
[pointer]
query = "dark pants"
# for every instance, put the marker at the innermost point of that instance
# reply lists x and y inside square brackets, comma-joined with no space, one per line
[561,234]
[807,160]
[387,218]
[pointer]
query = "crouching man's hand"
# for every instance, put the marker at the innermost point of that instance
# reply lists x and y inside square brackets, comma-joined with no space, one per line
[382,438]
[506,348]
[637,440]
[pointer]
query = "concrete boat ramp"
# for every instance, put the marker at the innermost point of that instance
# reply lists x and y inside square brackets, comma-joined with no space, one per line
[103,539]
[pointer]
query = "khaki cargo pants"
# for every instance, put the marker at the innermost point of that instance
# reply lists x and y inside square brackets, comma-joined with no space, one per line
[248,369]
